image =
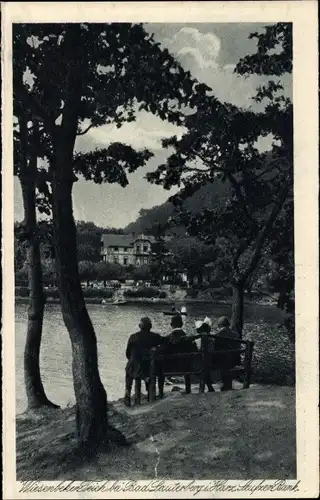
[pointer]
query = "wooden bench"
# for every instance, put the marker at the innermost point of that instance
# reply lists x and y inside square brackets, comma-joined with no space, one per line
[202,362]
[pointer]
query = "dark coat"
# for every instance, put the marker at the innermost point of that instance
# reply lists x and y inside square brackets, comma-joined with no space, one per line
[226,340]
[138,345]
[177,343]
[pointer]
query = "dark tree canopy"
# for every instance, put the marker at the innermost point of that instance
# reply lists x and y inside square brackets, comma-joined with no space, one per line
[68,78]
[220,146]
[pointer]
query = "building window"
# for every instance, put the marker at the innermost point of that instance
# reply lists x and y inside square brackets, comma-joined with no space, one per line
[116,260]
[138,248]
[145,248]
[115,249]
[125,261]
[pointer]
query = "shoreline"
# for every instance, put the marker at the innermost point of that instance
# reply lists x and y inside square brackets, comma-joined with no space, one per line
[143,301]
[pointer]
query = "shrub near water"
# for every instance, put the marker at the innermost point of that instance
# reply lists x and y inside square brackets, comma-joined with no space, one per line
[21,291]
[102,293]
[53,293]
[145,293]
[273,359]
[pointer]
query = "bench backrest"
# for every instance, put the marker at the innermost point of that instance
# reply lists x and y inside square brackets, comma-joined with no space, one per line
[226,352]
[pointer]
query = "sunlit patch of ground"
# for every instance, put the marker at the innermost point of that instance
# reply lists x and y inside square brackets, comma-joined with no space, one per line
[238,435]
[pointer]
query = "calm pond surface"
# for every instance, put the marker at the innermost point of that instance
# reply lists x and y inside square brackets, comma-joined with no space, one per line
[113,325]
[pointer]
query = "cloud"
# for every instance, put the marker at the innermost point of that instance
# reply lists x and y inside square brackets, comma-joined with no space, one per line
[200,54]
[191,43]
[146,132]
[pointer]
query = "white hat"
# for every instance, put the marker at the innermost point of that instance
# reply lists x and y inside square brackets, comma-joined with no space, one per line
[206,321]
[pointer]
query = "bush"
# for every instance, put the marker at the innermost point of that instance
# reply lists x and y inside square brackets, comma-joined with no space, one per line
[221,292]
[162,295]
[21,283]
[21,291]
[103,293]
[142,292]
[53,293]
[192,293]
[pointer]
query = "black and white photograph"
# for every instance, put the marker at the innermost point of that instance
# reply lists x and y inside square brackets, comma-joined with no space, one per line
[154,255]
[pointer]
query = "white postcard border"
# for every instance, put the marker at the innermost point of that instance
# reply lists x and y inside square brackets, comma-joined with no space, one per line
[303,14]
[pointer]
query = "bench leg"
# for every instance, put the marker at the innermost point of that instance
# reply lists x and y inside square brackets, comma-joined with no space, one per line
[201,385]
[209,383]
[161,386]
[247,365]
[226,377]
[137,391]
[187,380]
[127,396]
[247,380]
[152,390]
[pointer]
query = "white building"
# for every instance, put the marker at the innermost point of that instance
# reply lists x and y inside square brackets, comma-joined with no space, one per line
[126,249]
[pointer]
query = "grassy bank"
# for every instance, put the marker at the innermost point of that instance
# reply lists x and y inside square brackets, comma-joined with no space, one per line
[237,435]
[273,359]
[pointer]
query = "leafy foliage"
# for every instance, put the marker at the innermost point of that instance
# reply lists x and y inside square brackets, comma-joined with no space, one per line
[110,164]
[144,293]
[220,146]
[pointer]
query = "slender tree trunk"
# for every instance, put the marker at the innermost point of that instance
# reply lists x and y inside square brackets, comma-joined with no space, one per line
[91,398]
[34,388]
[36,396]
[237,307]
[238,285]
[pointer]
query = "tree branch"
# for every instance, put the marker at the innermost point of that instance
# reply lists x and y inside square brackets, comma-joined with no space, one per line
[242,247]
[85,130]
[264,232]
[33,103]
[266,294]
[210,165]
[240,197]
[264,172]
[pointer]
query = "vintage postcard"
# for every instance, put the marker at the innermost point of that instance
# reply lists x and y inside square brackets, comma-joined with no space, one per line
[160,250]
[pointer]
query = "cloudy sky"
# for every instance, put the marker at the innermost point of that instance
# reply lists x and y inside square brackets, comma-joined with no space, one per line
[210,52]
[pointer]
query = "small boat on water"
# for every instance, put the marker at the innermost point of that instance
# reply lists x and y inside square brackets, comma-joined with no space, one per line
[174,312]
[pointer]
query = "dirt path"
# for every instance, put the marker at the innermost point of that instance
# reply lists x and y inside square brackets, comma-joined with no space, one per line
[236,435]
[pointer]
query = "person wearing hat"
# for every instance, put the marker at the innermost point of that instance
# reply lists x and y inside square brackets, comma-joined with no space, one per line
[137,367]
[225,332]
[204,328]
[177,342]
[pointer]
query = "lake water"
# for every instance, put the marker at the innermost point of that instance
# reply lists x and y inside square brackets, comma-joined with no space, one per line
[113,325]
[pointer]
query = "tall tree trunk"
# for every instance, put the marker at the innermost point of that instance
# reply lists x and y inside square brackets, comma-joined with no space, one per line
[237,307]
[239,284]
[36,396]
[91,398]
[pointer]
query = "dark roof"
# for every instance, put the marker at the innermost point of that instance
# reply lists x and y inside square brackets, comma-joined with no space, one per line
[117,240]
[123,240]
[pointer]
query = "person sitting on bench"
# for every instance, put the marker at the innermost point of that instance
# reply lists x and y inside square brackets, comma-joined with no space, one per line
[204,327]
[224,336]
[137,367]
[177,342]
